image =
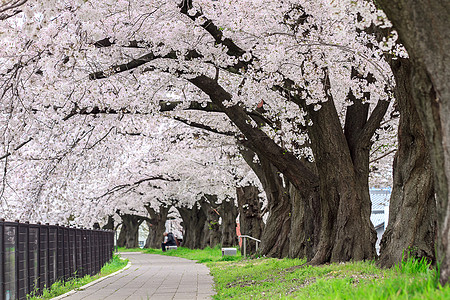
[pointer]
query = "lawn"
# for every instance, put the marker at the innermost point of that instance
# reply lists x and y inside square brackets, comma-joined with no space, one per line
[201,256]
[269,278]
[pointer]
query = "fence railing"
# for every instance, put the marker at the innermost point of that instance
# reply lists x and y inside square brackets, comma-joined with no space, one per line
[34,256]
[245,237]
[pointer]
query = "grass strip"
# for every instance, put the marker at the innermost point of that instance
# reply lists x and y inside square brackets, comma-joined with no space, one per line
[123,249]
[59,287]
[201,256]
[294,279]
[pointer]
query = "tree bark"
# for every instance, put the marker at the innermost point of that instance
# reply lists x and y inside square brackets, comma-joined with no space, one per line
[228,212]
[342,163]
[194,220]
[129,233]
[412,210]
[110,224]
[121,240]
[274,238]
[212,228]
[304,211]
[250,218]
[156,226]
[305,223]
[423,29]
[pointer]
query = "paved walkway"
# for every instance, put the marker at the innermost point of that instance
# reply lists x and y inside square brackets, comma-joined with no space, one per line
[153,277]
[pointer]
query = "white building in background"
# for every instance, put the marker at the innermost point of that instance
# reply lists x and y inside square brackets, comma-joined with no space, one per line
[380,212]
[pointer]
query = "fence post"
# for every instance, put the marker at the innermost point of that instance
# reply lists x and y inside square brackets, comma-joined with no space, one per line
[67,274]
[90,253]
[60,253]
[53,258]
[100,249]
[72,248]
[97,251]
[47,268]
[111,244]
[43,256]
[2,259]
[79,252]
[32,258]
[104,260]
[22,260]
[16,257]
[16,246]
[39,254]
[93,260]
[85,251]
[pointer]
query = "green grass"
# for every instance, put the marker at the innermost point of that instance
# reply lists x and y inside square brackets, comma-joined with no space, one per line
[293,279]
[59,288]
[269,278]
[202,256]
[123,249]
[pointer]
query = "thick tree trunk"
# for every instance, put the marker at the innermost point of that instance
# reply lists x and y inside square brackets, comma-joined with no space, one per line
[156,226]
[275,236]
[212,228]
[303,212]
[274,240]
[228,212]
[423,29]
[412,211]
[194,220]
[121,240]
[305,223]
[346,231]
[129,233]
[250,219]
[110,224]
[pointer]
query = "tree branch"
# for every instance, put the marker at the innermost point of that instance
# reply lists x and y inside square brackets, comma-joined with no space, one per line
[8,5]
[204,127]
[123,186]
[102,138]
[123,67]
[16,148]
[382,156]
[134,63]
[373,123]
[171,105]
[283,160]
[207,24]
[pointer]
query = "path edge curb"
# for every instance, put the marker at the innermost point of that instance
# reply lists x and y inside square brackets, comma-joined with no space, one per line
[83,287]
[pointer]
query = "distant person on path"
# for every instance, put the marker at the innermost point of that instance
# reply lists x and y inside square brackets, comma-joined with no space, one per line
[169,242]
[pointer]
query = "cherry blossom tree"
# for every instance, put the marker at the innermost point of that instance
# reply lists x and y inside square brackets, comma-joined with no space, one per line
[306,84]
[411,229]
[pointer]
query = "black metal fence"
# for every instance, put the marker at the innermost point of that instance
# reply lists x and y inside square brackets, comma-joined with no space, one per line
[34,256]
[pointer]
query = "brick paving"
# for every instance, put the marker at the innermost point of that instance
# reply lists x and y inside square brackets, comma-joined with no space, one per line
[153,277]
